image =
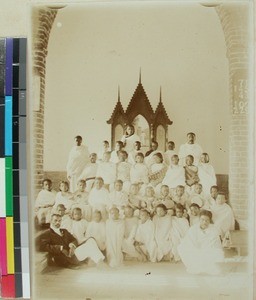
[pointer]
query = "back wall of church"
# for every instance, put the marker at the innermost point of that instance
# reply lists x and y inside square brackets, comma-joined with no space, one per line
[180,48]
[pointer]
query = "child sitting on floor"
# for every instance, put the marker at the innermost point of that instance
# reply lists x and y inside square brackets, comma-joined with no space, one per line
[97,230]
[130,228]
[114,238]
[44,202]
[179,229]
[145,243]
[163,225]
[78,225]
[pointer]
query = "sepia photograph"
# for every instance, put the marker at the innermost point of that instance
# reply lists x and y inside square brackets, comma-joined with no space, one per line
[141,148]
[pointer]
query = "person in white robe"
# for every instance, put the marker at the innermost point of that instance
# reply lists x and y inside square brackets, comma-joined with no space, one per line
[118,198]
[114,158]
[163,225]
[89,172]
[139,173]
[222,215]
[99,197]
[175,175]
[181,196]
[164,198]
[65,218]
[107,170]
[129,138]
[123,169]
[64,197]
[206,173]
[97,230]
[211,199]
[194,214]
[134,198]
[44,202]
[132,154]
[149,156]
[78,158]
[78,225]
[201,248]
[145,243]
[180,226]
[169,153]
[157,172]
[130,228]
[105,148]
[190,148]
[114,238]
[149,200]
[81,197]
[198,195]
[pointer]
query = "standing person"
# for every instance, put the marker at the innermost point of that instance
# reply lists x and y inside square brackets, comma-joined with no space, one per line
[190,148]
[129,138]
[201,249]
[78,158]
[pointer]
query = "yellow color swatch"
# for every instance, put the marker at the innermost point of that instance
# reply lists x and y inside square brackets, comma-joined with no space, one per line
[10,245]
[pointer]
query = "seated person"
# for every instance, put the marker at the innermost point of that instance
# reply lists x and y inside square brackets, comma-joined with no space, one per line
[149,200]
[44,202]
[163,225]
[64,248]
[222,215]
[179,229]
[157,172]
[107,170]
[201,249]
[105,148]
[175,175]
[97,230]
[134,198]
[198,196]
[81,197]
[169,153]
[181,197]
[164,198]
[114,238]
[194,214]
[65,219]
[118,198]
[149,160]
[211,200]
[78,225]
[191,174]
[132,154]
[89,172]
[64,196]
[145,243]
[115,153]
[139,172]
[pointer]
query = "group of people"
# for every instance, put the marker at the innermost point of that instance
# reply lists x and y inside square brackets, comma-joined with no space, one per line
[151,207]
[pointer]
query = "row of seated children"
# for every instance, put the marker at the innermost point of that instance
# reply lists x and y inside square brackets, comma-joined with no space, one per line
[145,238]
[99,198]
[155,173]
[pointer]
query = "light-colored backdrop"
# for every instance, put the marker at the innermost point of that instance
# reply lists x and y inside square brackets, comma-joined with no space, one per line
[92,51]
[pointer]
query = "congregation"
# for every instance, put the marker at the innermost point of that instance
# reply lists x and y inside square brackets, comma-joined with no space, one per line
[149,206]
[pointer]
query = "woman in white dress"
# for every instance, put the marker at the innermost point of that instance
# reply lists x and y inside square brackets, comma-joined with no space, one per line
[130,138]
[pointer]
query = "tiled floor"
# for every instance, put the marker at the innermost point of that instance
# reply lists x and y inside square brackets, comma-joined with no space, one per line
[165,281]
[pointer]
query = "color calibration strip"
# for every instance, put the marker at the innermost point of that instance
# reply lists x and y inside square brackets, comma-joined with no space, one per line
[14,246]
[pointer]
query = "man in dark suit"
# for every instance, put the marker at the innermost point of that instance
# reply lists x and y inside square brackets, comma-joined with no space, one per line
[63,247]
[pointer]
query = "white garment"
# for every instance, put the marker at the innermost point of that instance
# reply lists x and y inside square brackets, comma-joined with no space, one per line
[168,156]
[99,200]
[190,149]
[180,226]
[132,156]
[114,240]
[88,174]
[139,173]
[78,158]
[207,177]
[149,160]
[198,199]
[223,218]
[145,235]
[129,142]
[78,230]
[44,198]
[193,219]
[97,230]
[114,157]
[118,199]
[163,227]
[66,200]
[107,170]
[81,201]
[89,249]
[200,250]
[130,227]
[174,176]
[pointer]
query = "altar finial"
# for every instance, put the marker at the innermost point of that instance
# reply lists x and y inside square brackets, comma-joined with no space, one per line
[140,76]
[160,99]
[118,93]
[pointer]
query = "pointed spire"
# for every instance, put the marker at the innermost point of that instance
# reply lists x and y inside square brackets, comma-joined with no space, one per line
[140,76]
[160,99]
[118,93]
